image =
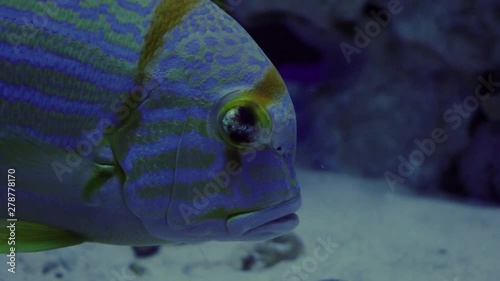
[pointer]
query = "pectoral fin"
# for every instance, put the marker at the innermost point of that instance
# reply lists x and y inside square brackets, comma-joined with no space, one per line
[33,237]
[49,170]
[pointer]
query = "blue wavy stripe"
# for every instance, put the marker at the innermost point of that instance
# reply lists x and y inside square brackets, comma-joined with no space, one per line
[43,59]
[58,140]
[95,39]
[47,103]
[157,178]
[138,151]
[136,7]
[160,115]
[94,13]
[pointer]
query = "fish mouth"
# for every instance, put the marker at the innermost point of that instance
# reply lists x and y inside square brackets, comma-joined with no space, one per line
[266,223]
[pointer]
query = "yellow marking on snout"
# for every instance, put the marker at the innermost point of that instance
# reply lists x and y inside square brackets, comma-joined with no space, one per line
[269,90]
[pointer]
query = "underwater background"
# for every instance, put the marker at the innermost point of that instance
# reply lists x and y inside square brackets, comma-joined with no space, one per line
[398,113]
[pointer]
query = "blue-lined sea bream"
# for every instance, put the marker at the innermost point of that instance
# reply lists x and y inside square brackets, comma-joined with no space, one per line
[140,123]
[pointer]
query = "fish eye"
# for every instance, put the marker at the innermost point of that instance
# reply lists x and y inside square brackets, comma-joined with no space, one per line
[242,123]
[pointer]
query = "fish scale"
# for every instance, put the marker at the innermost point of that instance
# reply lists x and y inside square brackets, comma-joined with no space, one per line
[111,116]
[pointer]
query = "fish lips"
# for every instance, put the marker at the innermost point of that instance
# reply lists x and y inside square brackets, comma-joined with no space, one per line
[266,223]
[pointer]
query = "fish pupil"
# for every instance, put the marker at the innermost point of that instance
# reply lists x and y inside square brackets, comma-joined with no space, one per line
[241,125]
[246,116]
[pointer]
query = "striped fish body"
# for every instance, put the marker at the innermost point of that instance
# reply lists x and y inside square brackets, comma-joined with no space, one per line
[142,122]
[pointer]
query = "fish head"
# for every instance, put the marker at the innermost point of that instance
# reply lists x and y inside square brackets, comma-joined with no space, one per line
[249,189]
[234,176]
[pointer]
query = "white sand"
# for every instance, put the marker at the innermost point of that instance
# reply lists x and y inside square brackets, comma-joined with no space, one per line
[379,236]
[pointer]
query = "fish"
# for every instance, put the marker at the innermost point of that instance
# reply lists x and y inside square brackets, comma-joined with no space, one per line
[140,123]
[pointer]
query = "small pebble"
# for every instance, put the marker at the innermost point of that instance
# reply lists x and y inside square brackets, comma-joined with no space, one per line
[137,269]
[145,251]
[56,268]
[49,266]
[266,254]
[443,251]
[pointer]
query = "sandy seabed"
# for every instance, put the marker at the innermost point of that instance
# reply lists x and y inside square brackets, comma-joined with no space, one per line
[374,234]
